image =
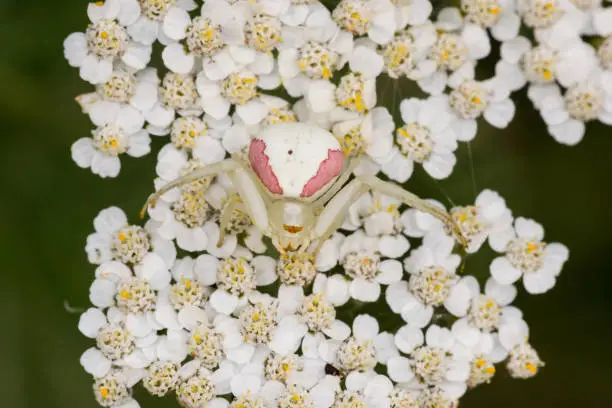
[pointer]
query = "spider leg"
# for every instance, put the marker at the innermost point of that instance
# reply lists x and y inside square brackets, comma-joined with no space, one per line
[415,202]
[334,212]
[224,166]
[254,201]
[339,183]
[226,216]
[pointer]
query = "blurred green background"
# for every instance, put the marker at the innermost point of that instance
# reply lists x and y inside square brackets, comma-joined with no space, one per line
[48,205]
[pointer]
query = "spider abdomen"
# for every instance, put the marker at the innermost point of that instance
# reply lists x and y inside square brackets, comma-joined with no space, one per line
[295,159]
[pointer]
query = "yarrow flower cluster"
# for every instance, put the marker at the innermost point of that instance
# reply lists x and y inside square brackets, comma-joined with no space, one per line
[196,303]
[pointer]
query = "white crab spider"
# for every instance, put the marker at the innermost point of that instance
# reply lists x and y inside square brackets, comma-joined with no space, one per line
[294,187]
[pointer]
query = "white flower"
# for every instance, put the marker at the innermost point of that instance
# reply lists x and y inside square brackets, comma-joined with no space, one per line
[138,90]
[161,378]
[543,64]
[379,216]
[227,38]
[407,53]
[133,294]
[375,390]
[235,277]
[116,346]
[356,91]
[376,18]
[238,89]
[438,397]
[251,35]
[472,36]
[183,213]
[472,99]
[439,362]
[361,260]
[105,41]
[479,313]
[528,256]
[448,51]
[120,131]
[335,288]
[114,389]
[566,114]
[160,20]
[286,338]
[368,136]
[115,239]
[489,219]
[524,361]
[513,330]
[556,22]
[499,16]
[417,224]
[177,94]
[486,353]
[432,278]
[360,352]
[411,12]
[426,137]
[542,13]
[313,52]
[181,305]
[200,388]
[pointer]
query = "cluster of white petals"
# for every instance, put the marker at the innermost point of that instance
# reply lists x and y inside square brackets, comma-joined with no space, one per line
[385,314]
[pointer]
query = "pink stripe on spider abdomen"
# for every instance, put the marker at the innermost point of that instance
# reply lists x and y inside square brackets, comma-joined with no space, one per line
[329,168]
[260,163]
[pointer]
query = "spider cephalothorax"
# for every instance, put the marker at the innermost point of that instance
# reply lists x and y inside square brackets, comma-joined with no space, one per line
[295,186]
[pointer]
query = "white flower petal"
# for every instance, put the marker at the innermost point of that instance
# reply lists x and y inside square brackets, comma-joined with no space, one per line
[245,384]
[390,271]
[94,362]
[408,337]
[503,271]
[223,302]
[177,59]
[337,290]
[365,327]
[366,61]
[467,335]
[82,152]
[91,322]
[507,27]
[441,337]
[175,23]
[476,40]
[241,354]
[364,290]
[569,133]
[499,114]
[338,330]
[399,369]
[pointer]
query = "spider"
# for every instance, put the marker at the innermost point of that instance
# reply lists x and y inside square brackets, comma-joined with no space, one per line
[295,187]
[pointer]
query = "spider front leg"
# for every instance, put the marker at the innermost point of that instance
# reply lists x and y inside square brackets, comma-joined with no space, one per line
[224,166]
[233,203]
[415,202]
[333,214]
